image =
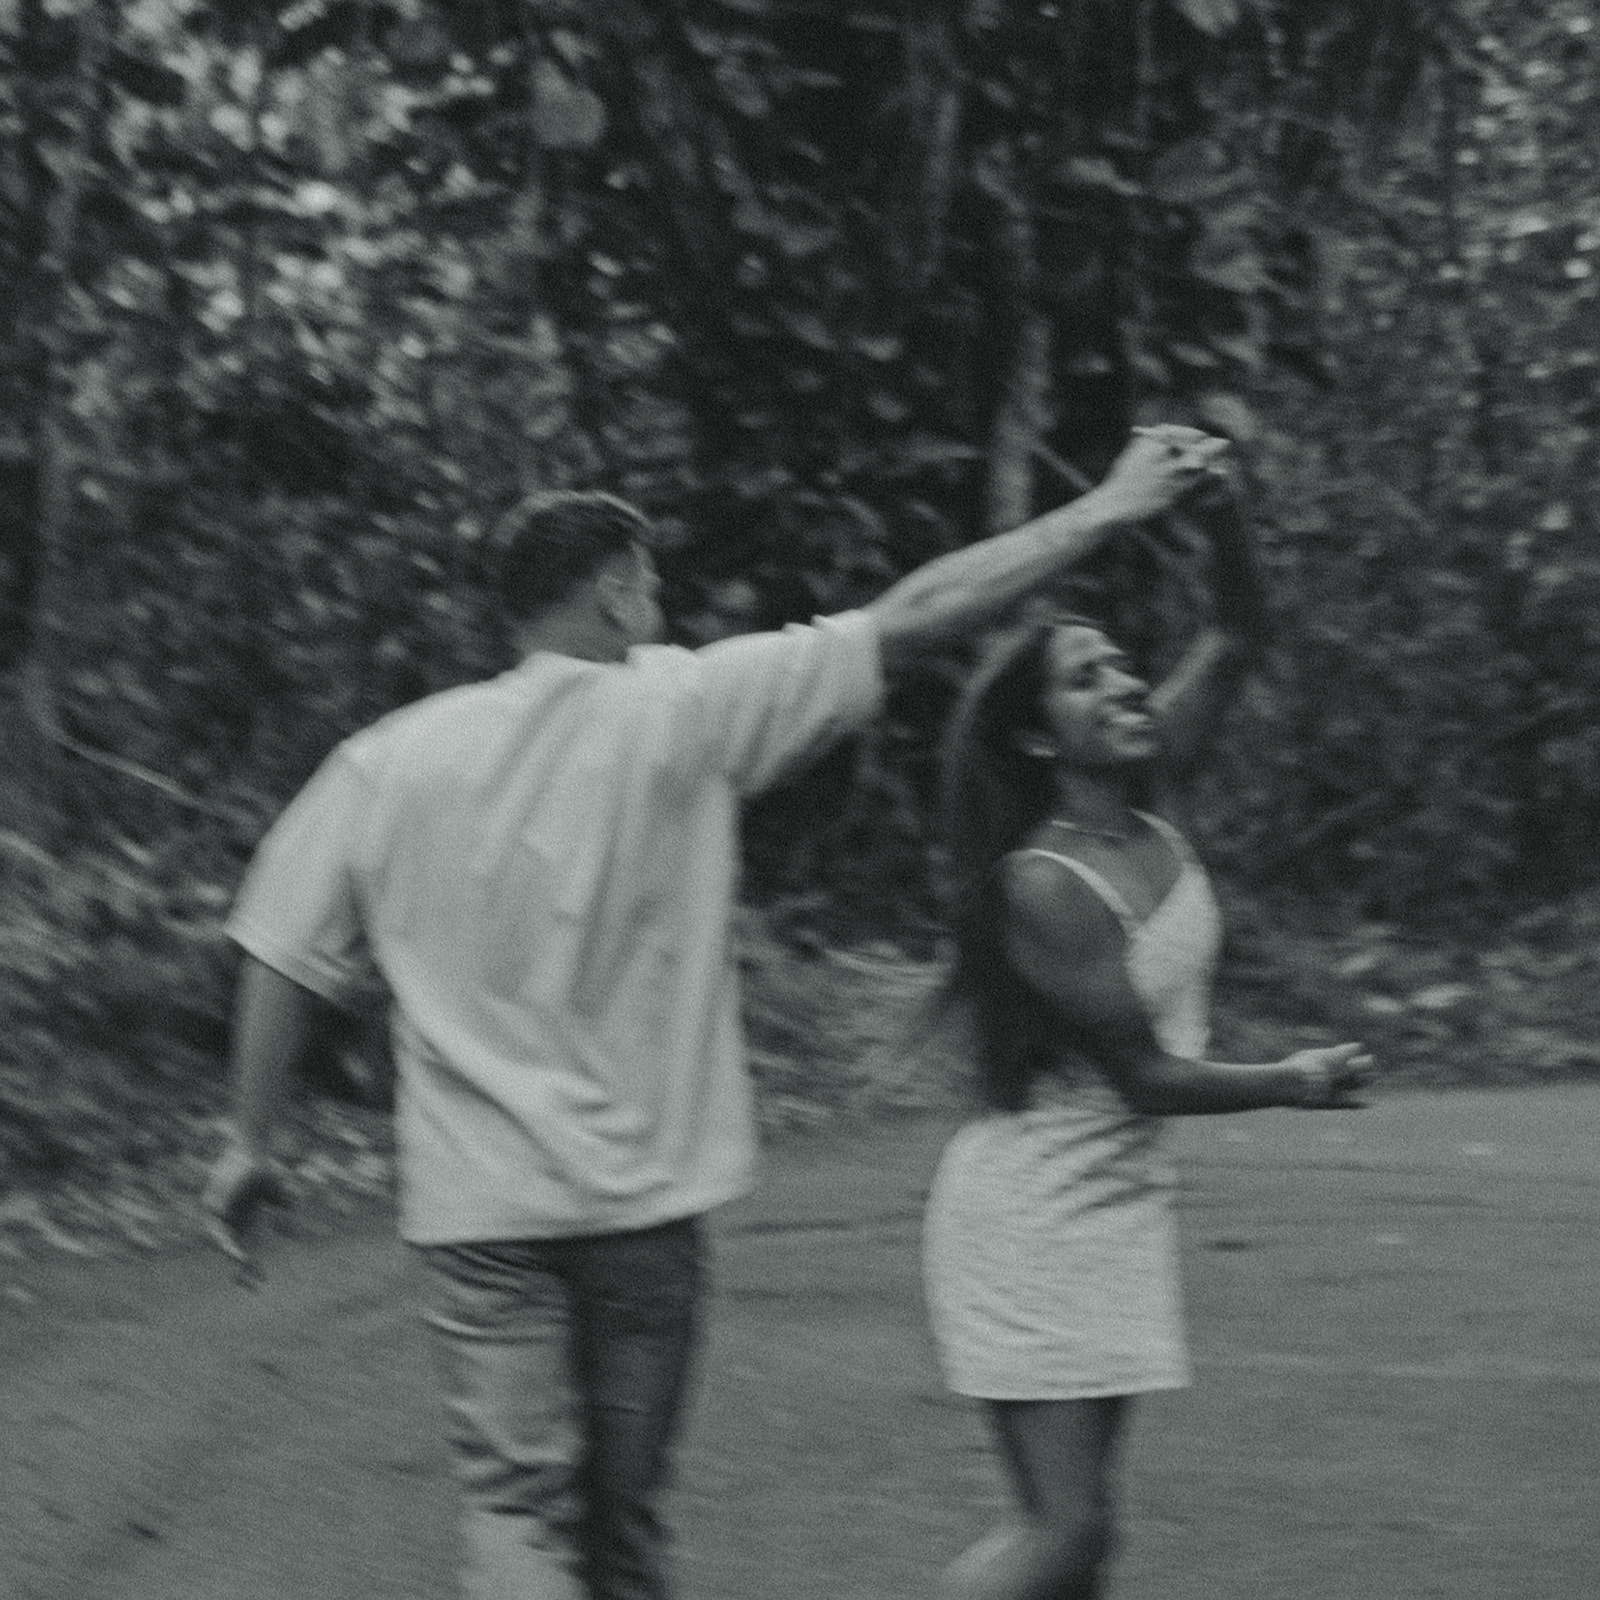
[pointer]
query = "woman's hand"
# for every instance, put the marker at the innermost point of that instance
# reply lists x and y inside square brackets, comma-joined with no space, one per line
[1331,1079]
[1158,467]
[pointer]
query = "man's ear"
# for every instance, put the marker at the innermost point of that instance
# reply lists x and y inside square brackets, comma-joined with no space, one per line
[611,589]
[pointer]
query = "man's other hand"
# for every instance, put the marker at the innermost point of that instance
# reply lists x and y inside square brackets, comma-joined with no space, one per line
[242,1186]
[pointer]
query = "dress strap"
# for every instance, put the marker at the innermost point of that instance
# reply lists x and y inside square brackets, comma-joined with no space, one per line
[1172,835]
[1099,884]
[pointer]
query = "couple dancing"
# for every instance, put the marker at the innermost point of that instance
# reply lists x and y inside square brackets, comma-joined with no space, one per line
[543,868]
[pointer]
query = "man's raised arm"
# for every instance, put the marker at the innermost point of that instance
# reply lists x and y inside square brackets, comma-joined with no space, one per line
[971,586]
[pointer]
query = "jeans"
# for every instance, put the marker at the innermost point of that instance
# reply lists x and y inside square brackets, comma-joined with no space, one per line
[564,1364]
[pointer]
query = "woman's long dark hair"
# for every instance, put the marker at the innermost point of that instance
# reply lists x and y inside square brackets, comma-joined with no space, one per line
[993,795]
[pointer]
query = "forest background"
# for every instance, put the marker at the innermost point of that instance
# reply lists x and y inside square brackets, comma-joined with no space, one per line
[301,294]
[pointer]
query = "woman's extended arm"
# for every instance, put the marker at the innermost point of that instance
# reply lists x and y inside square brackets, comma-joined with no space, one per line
[1069,946]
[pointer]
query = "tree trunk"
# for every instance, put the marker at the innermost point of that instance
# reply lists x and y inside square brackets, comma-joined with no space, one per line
[37,559]
[933,87]
[1021,415]
[1019,424]
[20,472]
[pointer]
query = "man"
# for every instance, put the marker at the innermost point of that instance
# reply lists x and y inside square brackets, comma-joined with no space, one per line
[543,868]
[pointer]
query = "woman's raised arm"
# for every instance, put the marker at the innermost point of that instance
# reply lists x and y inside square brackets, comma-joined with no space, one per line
[1192,699]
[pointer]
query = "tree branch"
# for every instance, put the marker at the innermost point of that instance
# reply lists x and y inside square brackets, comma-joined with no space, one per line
[41,716]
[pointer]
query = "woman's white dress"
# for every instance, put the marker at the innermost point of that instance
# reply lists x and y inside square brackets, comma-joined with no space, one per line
[1050,1255]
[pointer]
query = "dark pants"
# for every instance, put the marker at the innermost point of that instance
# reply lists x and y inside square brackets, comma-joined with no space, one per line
[564,1364]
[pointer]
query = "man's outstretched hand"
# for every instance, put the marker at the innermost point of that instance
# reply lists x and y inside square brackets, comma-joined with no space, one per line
[241,1188]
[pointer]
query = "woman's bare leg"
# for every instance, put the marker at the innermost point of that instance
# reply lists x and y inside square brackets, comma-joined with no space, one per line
[1059,1455]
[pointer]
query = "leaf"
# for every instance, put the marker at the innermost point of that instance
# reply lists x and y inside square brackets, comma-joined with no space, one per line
[310,29]
[867,20]
[566,116]
[1239,270]
[123,226]
[923,450]
[1215,17]
[1151,367]
[884,347]
[808,328]
[146,80]
[26,1210]
[1193,172]
[797,240]
[1441,996]
[1245,348]
[418,49]
[234,124]
[1096,172]
[740,87]
[705,42]
[1228,414]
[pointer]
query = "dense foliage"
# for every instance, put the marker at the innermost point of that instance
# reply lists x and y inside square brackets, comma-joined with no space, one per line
[304,292]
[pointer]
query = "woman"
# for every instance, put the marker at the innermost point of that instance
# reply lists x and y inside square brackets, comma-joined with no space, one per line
[1087,935]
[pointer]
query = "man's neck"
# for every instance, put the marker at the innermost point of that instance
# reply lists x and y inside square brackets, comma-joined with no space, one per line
[569,634]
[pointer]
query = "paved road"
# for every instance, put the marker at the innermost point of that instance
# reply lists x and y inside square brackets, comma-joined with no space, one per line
[1394,1320]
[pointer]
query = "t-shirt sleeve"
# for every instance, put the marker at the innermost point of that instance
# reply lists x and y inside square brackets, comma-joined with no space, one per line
[755,706]
[297,911]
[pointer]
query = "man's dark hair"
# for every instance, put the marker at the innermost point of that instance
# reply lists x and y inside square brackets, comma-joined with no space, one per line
[549,543]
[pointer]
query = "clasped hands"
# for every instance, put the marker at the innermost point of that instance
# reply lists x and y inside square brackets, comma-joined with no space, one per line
[1160,466]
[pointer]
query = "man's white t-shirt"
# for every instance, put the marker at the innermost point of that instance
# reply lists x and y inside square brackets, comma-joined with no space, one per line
[543,867]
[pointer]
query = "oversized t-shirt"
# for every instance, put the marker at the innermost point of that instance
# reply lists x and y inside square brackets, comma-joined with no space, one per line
[543,868]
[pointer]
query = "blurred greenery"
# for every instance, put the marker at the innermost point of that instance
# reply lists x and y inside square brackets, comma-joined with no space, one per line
[302,293]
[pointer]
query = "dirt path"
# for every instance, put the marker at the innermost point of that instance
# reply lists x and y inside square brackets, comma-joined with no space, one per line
[1398,1395]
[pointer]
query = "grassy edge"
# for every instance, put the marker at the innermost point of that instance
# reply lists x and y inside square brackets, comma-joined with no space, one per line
[833,1033]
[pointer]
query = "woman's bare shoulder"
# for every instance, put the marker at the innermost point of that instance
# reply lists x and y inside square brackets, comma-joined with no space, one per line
[1053,902]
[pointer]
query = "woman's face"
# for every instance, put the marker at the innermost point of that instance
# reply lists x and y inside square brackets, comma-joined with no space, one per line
[1095,707]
